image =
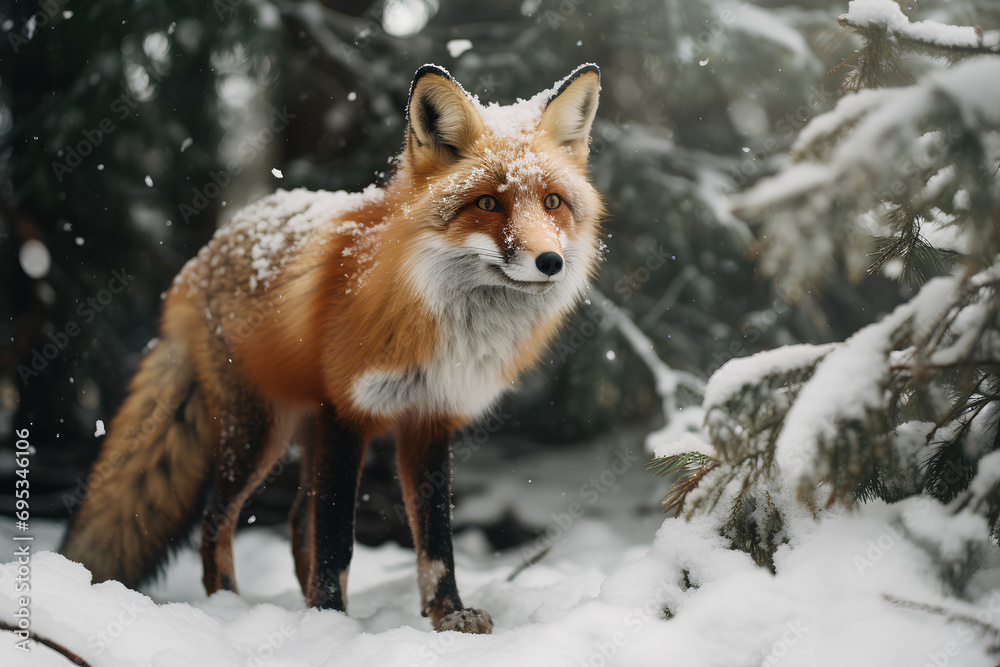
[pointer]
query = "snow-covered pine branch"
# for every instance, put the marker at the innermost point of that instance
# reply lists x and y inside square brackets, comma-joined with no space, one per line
[871,161]
[900,181]
[887,31]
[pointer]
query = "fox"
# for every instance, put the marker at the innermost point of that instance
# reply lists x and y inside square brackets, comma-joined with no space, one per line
[329,318]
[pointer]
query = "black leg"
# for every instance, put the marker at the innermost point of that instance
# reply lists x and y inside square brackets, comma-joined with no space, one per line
[424,454]
[336,472]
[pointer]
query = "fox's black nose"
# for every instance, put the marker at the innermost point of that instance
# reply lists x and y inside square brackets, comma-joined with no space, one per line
[549,263]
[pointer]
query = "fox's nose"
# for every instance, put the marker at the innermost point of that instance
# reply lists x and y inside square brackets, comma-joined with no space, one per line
[549,263]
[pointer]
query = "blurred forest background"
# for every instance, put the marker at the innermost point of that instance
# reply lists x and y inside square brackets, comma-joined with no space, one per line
[129,131]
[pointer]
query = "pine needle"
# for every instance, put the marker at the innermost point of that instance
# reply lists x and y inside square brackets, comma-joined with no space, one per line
[692,468]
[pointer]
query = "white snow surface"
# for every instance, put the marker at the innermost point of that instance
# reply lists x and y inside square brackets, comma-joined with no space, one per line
[595,600]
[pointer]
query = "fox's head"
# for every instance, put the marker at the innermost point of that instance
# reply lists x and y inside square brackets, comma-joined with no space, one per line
[498,197]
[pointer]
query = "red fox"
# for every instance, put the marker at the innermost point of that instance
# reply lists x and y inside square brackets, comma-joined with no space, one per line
[333,317]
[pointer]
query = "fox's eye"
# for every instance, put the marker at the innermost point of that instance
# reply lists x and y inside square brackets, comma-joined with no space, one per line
[553,201]
[489,203]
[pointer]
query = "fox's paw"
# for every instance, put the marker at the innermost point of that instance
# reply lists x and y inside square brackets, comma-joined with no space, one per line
[473,621]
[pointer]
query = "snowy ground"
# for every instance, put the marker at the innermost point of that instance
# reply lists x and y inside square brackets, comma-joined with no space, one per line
[597,598]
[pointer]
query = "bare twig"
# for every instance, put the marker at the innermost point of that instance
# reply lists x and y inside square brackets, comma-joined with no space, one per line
[528,562]
[58,648]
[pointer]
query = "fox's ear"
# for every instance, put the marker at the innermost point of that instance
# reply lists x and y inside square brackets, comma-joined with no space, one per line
[570,113]
[442,122]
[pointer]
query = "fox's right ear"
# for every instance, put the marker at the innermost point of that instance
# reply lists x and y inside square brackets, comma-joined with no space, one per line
[442,122]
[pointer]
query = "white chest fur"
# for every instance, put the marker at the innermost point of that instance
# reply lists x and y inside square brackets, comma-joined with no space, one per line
[478,338]
[481,327]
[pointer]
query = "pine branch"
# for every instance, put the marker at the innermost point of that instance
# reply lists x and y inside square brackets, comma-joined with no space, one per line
[885,37]
[949,471]
[755,527]
[901,407]
[878,64]
[947,614]
[692,468]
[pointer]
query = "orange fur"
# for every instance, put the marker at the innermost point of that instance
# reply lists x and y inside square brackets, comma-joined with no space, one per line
[340,316]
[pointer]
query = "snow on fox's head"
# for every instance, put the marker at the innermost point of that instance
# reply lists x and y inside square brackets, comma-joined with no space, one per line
[505,186]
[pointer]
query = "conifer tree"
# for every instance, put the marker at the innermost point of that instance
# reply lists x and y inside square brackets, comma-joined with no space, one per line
[899,180]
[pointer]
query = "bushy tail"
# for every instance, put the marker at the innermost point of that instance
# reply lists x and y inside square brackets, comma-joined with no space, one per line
[147,486]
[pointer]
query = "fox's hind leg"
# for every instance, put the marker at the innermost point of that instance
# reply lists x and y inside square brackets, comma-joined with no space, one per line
[300,518]
[248,448]
[424,454]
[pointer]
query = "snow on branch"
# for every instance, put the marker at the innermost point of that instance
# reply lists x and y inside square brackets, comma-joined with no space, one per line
[875,147]
[844,402]
[885,125]
[827,422]
[898,180]
[886,16]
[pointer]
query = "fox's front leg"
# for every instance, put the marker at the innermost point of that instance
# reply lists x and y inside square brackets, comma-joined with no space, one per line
[336,469]
[424,455]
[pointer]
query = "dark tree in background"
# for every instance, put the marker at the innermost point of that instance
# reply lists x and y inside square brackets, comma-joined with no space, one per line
[111,112]
[130,131]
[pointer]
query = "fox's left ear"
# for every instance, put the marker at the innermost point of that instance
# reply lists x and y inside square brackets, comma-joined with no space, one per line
[570,113]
